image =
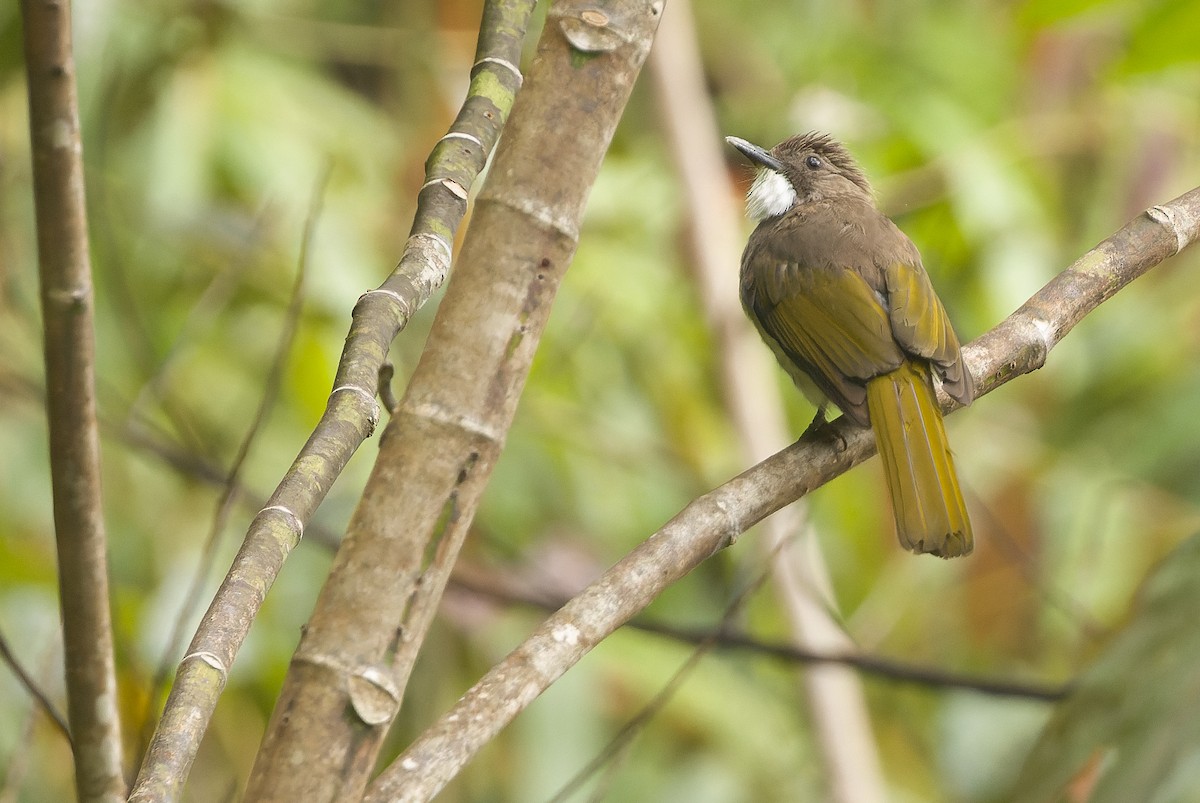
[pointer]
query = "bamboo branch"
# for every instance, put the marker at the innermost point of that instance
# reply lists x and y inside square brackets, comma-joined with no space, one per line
[231,487]
[714,521]
[349,673]
[65,274]
[351,412]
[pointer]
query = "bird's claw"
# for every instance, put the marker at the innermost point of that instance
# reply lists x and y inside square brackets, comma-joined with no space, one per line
[820,428]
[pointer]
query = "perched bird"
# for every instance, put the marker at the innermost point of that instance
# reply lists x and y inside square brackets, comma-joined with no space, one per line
[840,295]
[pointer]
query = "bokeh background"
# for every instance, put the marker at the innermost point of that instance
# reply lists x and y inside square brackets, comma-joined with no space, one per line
[1006,138]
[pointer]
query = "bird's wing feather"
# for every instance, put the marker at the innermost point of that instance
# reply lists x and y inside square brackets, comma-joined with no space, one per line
[843,295]
[829,321]
[921,326]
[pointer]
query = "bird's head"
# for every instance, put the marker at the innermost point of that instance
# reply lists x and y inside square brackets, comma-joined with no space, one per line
[806,168]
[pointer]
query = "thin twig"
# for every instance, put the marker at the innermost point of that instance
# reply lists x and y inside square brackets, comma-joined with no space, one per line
[713,521]
[16,768]
[878,666]
[156,389]
[723,638]
[31,686]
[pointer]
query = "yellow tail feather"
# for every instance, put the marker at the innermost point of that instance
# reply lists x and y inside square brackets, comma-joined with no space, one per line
[926,500]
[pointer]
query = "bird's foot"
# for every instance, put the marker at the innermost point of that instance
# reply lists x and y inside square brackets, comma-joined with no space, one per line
[816,424]
[819,427]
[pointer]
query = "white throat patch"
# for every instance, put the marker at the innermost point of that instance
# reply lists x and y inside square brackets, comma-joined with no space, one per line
[770,195]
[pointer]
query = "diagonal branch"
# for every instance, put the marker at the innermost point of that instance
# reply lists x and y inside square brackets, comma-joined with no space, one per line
[231,486]
[348,676]
[65,274]
[352,411]
[622,740]
[31,685]
[714,521]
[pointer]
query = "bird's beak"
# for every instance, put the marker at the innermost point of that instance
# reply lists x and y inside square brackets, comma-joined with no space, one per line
[756,154]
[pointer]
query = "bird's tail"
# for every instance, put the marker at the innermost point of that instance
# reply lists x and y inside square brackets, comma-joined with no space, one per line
[926,500]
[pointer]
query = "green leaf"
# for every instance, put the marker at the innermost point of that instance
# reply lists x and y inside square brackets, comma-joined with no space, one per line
[1040,13]
[1130,726]
[1168,33]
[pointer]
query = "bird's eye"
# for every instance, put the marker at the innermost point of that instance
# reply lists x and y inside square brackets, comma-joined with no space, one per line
[813,162]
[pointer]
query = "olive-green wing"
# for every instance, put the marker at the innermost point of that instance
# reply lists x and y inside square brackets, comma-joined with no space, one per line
[828,322]
[921,326]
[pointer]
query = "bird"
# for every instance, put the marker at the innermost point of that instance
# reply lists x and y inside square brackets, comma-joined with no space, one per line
[841,297]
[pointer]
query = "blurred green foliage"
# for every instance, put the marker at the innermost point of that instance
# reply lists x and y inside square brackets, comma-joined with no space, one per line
[1127,732]
[1006,138]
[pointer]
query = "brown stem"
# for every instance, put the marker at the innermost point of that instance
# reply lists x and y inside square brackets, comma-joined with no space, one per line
[67,311]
